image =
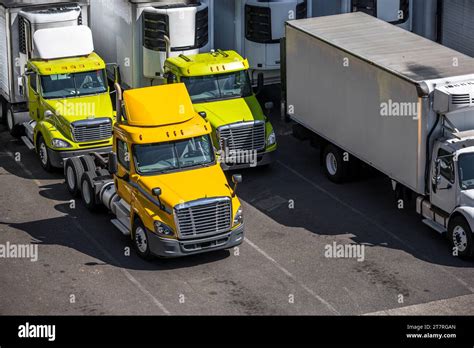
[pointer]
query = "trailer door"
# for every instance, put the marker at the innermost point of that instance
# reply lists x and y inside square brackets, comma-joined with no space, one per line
[457,25]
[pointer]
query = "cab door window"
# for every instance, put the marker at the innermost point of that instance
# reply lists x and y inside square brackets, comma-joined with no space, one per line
[123,154]
[33,82]
[446,165]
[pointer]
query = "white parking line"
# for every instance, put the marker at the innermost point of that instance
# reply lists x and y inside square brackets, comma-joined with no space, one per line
[373,222]
[127,274]
[291,276]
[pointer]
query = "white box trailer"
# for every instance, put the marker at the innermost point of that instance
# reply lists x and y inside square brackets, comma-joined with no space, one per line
[369,91]
[19,20]
[138,35]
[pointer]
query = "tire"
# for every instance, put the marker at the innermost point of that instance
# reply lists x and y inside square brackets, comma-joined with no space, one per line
[335,168]
[140,241]
[460,236]
[73,171]
[42,150]
[15,130]
[88,191]
[88,163]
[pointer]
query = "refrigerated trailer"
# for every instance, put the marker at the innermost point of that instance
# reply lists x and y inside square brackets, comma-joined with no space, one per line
[397,12]
[19,20]
[139,35]
[365,90]
[256,30]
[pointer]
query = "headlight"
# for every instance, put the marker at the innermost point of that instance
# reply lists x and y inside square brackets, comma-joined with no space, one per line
[163,229]
[271,138]
[238,218]
[60,144]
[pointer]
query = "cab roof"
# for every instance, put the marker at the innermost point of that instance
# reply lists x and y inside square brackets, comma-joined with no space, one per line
[68,65]
[218,62]
[158,105]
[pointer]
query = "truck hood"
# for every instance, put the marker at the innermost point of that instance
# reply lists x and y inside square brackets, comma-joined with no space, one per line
[467,198]
[80,108]
[188,185]
[224,112]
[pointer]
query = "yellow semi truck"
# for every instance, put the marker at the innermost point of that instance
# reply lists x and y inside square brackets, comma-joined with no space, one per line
[220,88]
[162,180]
[68,96]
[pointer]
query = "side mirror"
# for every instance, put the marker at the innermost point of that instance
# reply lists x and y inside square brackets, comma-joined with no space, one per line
[236,179]
[113,164]
[156,192]
[203,114]
[170,78]
[48,114]
[268,108]
[260,82]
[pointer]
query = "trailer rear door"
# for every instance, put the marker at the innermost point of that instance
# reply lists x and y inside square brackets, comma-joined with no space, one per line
[457,25]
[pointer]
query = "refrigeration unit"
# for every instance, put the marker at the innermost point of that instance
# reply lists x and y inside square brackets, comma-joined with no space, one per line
[139,35]
[254,29]
[19,20]
[398,12]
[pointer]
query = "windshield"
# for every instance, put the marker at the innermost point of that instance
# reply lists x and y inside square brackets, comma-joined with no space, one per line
[466,171]
[215,87]
[164,157]
[73,85]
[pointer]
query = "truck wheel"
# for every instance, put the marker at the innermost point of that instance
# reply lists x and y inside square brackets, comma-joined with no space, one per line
[140,241]
[73,173]
[334,165]
[88,163]
[43,155]
[88,191]
[15,130]
[460,236]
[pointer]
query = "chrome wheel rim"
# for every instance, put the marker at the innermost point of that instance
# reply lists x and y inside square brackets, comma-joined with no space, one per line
[86,193]
[71,180]
[331,163]
[140,240]
[460,238]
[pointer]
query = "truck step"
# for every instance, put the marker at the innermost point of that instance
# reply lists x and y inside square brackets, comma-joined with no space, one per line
[121,227]
[434,225]
[28,142]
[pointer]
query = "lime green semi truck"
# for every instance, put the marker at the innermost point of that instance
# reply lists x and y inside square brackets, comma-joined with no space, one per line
[68,97]
[221,91]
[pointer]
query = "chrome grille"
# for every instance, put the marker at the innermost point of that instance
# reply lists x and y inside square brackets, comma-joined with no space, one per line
[91,130]
[203,217]
[243,136]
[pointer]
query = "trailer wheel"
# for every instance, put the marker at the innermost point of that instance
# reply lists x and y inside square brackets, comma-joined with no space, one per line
[88,191]
[89,163]
[460,236]
[73,173]
[15,130]
[44,155]
[334,165]
[140,241]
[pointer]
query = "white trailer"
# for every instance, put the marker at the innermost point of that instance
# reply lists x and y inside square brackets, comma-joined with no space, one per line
[138,35]
[19,20]
[397,12]
[369,91]
[255,31]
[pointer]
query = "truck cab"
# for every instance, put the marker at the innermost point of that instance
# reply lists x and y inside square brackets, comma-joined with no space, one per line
[221,91]
[163,182]
[68,97]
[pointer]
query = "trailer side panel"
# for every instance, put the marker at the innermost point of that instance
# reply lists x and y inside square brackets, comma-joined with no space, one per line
[5,52]
[350,102]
